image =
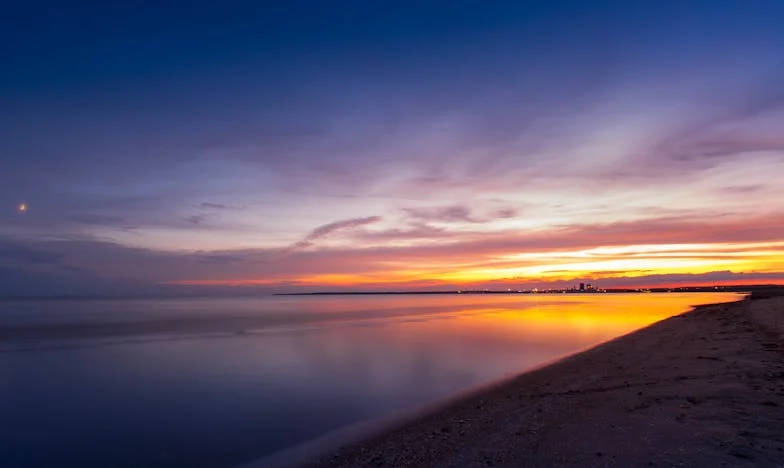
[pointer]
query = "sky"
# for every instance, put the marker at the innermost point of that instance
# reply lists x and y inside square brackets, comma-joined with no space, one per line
[216,147]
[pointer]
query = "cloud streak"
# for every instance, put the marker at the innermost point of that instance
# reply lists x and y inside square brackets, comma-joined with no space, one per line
[529,258]
[326,230]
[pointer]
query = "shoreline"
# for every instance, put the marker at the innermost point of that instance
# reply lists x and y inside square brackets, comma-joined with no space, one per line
[662,395]
[324,445]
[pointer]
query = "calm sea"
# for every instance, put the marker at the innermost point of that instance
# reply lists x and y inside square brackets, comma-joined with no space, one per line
[219,382]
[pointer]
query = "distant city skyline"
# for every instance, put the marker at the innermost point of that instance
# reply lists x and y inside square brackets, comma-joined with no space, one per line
[201,148]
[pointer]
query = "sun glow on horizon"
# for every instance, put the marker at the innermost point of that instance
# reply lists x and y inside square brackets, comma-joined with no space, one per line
[608,264]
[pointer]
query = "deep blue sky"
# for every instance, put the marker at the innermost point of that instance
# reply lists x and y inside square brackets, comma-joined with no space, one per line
[205,141]
[64,47]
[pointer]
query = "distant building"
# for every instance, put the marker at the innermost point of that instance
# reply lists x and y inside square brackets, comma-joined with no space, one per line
[582,287]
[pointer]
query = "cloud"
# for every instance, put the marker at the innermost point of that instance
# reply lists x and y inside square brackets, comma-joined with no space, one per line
[327,229]
[506,213]
[446,214]
[456,214]
[324,231]
[748,125]
[742,189]
[19,253]
[65,264]
[209,211]
[666,230]
[715,146]
[412,231]
[212,206]
[97,219]
[218,206]
[234,257]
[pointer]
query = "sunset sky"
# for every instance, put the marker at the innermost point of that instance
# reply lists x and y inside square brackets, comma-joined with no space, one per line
[389,145]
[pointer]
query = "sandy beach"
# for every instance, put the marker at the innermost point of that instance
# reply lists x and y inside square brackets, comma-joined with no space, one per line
[705,388]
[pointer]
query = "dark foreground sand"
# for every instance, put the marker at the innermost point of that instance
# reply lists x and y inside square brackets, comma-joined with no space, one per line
[705,388]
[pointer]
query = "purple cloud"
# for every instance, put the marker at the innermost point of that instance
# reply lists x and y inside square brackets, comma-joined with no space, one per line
[447,214]
[456,214]
[327,229]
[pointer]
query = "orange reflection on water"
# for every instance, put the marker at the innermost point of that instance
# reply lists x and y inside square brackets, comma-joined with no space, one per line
[558,320]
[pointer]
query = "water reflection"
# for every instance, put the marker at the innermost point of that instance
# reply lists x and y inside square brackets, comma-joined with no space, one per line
[299,368]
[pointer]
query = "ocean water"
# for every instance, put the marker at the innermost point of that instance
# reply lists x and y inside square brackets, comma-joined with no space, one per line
[219,382]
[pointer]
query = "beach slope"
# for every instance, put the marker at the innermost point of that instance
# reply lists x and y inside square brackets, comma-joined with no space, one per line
[705,388]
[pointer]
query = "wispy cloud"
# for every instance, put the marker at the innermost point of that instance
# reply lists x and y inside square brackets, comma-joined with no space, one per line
[527,258]
[97,219]
[218,206]
[325,230]
[457,214]
[447,214]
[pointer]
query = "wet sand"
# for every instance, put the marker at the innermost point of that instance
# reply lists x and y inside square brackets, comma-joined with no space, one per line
[705,388]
